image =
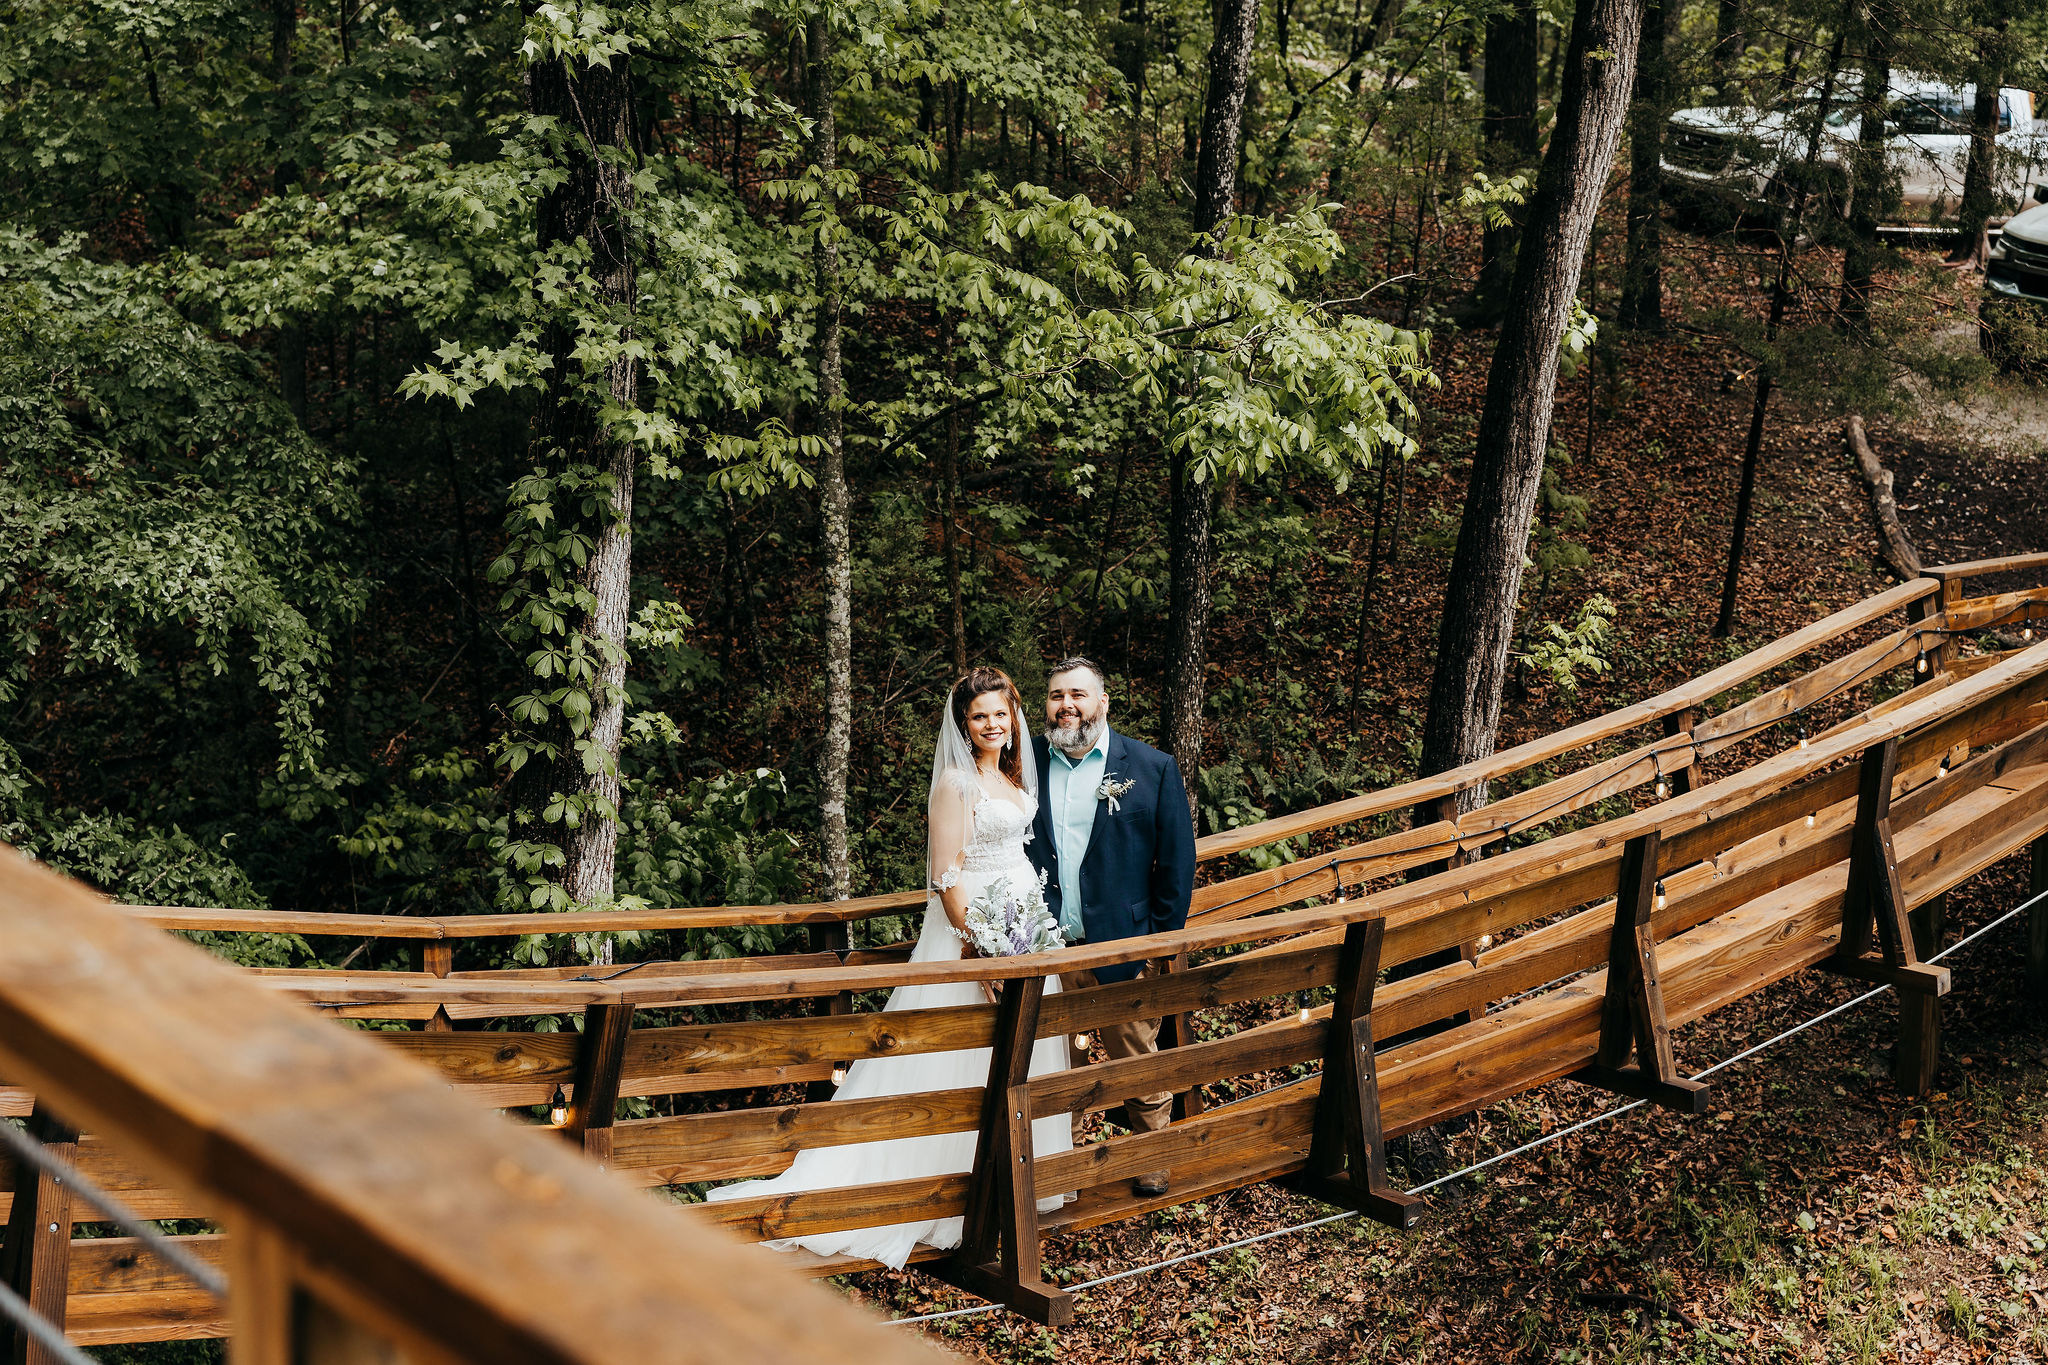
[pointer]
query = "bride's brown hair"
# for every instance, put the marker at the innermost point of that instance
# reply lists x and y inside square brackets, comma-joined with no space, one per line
[976,682]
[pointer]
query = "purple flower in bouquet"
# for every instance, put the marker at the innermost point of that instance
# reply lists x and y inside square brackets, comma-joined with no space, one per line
[1003,922]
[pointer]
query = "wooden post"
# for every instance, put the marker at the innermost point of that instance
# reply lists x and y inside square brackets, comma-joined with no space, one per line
[1347,1164]
[1442,808]
[600,1055]
[833,938]
[2037,927]
[277,1322]
[1930,925]
[1178,1030]
[262,1294]
[1876,899]
[36,1261]
[1430,812]
[1632,1019]
[1934,609]
[437,955]
[1919,1054]
[1938,656]
[829,938]
[1675,724]
[998,1255]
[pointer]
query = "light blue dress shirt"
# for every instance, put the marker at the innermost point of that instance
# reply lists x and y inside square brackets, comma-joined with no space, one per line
[1070,789]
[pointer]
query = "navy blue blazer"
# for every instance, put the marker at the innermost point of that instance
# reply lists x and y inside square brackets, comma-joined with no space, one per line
[1139,871]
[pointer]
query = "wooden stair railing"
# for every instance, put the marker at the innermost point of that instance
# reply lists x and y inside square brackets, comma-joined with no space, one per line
[1758,866]
[370,1209]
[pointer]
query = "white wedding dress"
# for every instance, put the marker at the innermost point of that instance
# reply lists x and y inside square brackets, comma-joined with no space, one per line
[995,849]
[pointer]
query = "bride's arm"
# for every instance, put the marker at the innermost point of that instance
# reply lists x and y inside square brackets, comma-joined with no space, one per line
[952,816]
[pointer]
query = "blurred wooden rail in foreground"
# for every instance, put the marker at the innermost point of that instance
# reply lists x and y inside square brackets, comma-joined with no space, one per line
[1810,845]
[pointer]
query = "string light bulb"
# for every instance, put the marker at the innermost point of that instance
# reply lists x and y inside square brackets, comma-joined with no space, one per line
[1660,894]
[1802,736]
[1663,789]
[558,1109]
[2027,633]
[1080,1042]
[1812,817]
[1301,1011]
[1485,942]
[1920,664]
[838,1076]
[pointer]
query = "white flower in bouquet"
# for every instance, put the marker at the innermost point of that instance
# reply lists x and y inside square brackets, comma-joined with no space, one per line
[1003,922]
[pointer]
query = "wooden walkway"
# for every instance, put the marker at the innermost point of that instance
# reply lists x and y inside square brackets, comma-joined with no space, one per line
[1639,871]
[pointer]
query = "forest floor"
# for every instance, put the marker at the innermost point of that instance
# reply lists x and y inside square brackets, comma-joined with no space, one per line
[1815,1214]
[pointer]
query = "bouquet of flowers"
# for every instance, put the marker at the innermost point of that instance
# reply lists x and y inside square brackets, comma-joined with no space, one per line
[1002,922]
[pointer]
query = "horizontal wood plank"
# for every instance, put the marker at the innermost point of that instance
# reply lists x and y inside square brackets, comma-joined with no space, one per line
[765,1216]
[93,1320]
[1218,983]
[1873,660]
[1978,568]
[700,1146]
[1575,791]
[116,1265]
[1985,613]
[1104,1085]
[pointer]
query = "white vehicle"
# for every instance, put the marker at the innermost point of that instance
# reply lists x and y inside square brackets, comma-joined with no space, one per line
[1743,159]
[2015,308]
[2018,268]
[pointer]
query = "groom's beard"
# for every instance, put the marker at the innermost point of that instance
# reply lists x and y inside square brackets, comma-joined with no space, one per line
[1079,737]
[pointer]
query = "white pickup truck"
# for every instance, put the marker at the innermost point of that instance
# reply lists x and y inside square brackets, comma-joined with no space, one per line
[2013,319]
[1737,161]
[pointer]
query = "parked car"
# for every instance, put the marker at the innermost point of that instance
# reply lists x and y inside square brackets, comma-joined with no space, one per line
[1742,162]
[2012,320]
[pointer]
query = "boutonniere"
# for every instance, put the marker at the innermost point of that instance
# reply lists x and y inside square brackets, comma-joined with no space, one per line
[1113,787]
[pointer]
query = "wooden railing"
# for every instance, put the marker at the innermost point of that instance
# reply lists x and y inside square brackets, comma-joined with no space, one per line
[1819,846]
[370,1214]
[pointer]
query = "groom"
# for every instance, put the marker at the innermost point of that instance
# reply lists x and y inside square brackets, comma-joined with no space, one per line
[1116,843]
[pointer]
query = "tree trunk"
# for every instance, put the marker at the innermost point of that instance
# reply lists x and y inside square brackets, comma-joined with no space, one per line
[1781,294]
[1188,546]
[591,204]
[1508,132]
[1230,64]
[1521,386]
[1870,194]
[1642,275]
[834,504]
[949,511]
[291,339]
[1729,40]
[949,459]
[1132,54]
[1980,197]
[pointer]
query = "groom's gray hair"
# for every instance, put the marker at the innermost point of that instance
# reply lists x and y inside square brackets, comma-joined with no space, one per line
[1074,661]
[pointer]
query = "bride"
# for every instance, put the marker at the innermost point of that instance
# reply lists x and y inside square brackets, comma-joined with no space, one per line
[984,796]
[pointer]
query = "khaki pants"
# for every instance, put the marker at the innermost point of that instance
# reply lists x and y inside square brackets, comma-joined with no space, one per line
[1135,1038]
